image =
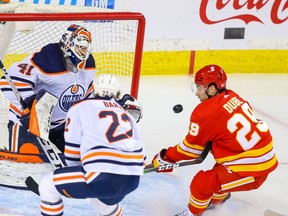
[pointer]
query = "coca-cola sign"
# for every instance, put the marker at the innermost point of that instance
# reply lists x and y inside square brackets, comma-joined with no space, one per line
[278,10]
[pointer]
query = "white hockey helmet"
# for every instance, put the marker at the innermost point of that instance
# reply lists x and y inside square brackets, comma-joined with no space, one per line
[107,85]
[76,47]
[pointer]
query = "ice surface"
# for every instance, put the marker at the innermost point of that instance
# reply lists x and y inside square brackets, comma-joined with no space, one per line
[162,194]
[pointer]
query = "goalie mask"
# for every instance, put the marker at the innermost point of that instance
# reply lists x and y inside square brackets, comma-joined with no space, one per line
[76,47]
[107,85]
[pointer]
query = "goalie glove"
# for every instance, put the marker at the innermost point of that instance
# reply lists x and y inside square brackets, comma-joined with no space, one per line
[24,119]
[160,160]
[131,105]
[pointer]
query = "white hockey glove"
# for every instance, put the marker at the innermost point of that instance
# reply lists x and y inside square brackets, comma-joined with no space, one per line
[131,105]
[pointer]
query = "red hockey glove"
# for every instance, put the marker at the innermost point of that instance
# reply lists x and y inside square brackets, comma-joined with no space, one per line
[160,160]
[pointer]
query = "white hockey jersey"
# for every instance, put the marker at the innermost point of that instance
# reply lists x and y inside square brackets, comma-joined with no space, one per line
[103,137]
[46,70]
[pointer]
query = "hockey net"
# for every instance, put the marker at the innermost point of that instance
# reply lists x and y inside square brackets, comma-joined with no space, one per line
[117,38]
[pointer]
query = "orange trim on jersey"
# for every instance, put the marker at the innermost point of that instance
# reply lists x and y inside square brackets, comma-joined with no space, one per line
[113,155]
[15,83]
[66,193]
[91,175]
[15,109]
[90,68]
[91,89]
[68,177]
[72,152]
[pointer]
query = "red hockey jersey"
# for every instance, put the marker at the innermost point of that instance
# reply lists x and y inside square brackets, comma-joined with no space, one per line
[239,141]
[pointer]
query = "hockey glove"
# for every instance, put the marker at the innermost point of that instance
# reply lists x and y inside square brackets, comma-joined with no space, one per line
[160,160]
[131,105]
[24,119]
[29,101]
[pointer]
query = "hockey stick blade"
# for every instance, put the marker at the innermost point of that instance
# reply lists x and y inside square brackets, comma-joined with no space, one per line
[32,185]
[150,167]
[53,157]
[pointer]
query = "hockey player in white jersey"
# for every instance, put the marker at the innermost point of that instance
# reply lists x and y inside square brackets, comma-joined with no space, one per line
[103,150]
[65,69]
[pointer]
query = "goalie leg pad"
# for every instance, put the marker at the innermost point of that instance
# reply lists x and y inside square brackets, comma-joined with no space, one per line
[20,141]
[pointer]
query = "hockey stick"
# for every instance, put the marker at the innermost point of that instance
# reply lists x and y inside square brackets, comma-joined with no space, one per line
[33,185]
[46,145]
[14,89]
[150,167]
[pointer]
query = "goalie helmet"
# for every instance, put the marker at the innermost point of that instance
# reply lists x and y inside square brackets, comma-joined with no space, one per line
[107,85]
[211,74]
[76,47]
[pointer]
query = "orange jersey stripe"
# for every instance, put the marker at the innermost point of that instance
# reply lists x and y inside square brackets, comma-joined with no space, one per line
[113,155]
[72,152]
[67,178]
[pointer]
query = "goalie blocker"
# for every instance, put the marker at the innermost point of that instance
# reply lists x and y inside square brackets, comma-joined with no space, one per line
[39,125]
[37,121]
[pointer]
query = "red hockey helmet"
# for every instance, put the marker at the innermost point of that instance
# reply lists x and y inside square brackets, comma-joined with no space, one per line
[211,74]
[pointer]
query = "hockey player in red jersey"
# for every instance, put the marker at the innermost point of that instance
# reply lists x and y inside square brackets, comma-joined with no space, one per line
[104,153]
[65,69]
[242,145]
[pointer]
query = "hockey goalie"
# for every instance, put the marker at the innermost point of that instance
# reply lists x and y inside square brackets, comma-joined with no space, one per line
[66,71]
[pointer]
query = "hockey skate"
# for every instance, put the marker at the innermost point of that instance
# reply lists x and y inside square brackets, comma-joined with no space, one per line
[212,206]
[185,213]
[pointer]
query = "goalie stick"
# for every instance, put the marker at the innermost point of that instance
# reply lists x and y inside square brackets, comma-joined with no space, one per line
[150,167]
[14,89]
[46,145]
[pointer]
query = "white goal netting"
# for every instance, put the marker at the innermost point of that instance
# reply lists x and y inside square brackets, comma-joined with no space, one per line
[117,38]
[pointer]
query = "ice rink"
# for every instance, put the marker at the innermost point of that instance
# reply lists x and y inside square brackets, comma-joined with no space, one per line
[162,194]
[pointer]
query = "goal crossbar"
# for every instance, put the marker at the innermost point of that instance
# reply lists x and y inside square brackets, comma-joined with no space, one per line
[108,16]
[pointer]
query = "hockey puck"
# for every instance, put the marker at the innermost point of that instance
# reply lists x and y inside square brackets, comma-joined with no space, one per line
[177,108]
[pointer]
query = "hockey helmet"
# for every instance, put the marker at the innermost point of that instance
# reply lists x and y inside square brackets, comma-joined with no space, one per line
[107,85]
[76,47]
[211,74]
